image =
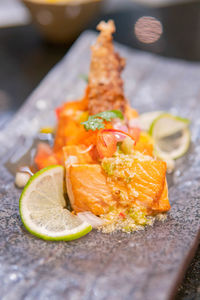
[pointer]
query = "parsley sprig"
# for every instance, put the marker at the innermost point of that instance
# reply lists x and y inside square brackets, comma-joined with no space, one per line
[85,77]
[97,121]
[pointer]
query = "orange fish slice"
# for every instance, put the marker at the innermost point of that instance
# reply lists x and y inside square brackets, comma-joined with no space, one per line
[162,205]
[87,189]
[148,181]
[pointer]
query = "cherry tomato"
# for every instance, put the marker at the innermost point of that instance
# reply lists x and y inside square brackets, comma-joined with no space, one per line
[106,144]
[107,140]
[119,134]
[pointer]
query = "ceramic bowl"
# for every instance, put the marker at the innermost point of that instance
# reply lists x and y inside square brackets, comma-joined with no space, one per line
[62,21]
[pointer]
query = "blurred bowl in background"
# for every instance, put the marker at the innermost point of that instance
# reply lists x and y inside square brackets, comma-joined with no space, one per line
[61,21]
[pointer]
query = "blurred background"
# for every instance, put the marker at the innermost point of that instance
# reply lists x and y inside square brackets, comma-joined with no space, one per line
[36,34]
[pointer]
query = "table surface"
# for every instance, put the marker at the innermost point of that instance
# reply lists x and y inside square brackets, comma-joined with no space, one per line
[25,59]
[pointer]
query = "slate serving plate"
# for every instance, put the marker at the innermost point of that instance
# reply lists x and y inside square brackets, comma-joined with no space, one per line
[144,265]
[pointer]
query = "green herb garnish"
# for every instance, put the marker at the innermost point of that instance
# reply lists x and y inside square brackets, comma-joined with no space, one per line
[84,77]
[97,121]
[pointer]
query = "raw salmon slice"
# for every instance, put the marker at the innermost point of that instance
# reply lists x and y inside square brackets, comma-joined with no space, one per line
[87,189]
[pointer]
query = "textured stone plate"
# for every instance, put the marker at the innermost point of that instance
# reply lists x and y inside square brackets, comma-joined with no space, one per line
[142,265]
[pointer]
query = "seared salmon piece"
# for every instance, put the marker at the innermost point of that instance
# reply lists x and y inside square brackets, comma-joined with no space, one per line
[141,183]
[162,205]
[90,190]
[87,189]
[149,181]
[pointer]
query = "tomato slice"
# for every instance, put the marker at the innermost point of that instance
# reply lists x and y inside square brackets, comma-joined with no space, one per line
[119,134]
[135,133]
[106,144]
[107,140]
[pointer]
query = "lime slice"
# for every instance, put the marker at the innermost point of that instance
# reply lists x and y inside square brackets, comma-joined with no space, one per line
[146,119]
[171,136]
[42,208]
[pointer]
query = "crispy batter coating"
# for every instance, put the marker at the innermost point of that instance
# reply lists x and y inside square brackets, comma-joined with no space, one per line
[105,83]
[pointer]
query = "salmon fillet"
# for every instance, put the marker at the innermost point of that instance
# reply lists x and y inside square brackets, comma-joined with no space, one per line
[90,189]
[87,189]
[149,181]
[162,204]
[143,183]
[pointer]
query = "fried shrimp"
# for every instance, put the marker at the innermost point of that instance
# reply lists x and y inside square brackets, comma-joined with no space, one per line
[105,83]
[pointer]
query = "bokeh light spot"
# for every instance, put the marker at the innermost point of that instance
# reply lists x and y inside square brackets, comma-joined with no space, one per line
[73,11]
[44,17]
[148,30]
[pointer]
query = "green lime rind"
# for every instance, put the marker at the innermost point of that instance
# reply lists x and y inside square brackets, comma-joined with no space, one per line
[86,227]
[176,153]
[170,125]
[38,174]
[184,120]
[70,237]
